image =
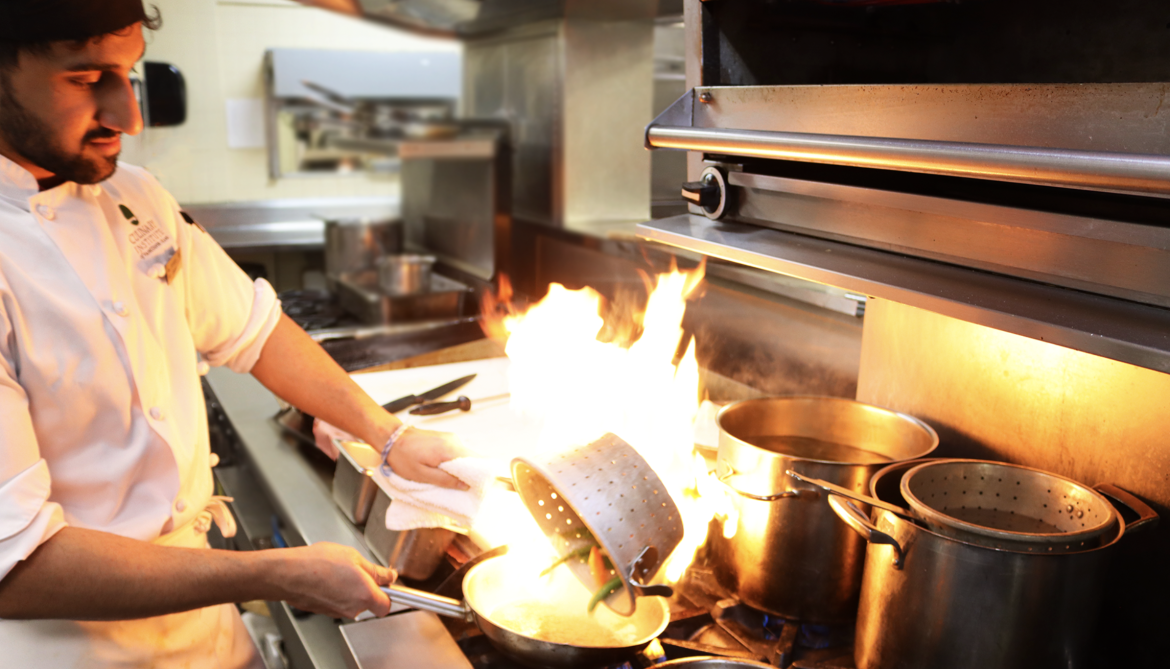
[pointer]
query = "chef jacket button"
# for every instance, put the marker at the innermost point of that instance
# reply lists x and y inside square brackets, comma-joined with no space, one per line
[120,309]
[157,413]
[213,459]
[202,368]
[46,212]
[181,505]
[157,270]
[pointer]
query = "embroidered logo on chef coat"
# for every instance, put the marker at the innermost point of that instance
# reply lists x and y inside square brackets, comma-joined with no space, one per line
[128,214]
[157,254]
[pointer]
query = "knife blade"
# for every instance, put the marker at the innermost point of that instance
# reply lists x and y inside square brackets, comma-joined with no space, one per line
[462,404]
[432,394]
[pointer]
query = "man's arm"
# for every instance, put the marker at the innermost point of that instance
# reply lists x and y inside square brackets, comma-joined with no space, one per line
[299,371]
[88,575]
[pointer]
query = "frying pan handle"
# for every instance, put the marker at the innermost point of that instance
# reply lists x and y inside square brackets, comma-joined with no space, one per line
[853,517]
[1147,517]
[802,493]
[425,601]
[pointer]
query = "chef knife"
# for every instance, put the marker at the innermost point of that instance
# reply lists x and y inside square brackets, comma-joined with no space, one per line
[462,403]
[432,394]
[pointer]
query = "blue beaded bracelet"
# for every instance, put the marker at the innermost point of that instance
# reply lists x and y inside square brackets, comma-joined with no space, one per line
[394,437]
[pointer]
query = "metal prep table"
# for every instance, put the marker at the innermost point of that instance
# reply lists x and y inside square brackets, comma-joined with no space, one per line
[282,487]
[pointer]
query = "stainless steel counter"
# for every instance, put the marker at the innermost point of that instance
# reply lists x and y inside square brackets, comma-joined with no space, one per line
[282,486]
[286,224]
[271,479]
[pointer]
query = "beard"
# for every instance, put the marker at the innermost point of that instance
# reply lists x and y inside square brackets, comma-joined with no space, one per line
[33,139]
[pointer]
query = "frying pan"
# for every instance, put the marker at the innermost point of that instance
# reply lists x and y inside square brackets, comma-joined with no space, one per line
[540,622]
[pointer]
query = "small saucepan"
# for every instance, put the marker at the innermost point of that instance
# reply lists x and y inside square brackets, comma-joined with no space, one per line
[543,622]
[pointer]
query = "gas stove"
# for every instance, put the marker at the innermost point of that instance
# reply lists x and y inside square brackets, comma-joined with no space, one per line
[705,620]
[315,310]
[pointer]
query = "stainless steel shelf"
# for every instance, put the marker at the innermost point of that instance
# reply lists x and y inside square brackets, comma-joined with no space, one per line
[1126,331]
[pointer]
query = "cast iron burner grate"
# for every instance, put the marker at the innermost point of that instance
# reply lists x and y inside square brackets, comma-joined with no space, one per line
[314,309]
[730,628]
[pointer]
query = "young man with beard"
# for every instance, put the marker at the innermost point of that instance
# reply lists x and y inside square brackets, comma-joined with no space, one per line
[108,299]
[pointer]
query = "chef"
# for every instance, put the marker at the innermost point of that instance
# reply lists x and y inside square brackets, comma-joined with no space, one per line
[112,302]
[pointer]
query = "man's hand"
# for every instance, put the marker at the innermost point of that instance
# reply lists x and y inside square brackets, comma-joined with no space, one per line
[418,453]
[332,579]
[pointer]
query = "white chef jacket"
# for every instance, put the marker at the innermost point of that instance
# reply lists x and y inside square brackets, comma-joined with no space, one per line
[102,418]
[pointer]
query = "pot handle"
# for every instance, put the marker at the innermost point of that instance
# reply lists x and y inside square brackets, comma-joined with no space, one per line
[809,494]
[425,601]
[1147,517]
[853,517]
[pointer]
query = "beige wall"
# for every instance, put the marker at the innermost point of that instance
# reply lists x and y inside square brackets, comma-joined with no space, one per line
[219,46]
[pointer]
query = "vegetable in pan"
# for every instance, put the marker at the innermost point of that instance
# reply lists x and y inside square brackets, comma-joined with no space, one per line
[600,568]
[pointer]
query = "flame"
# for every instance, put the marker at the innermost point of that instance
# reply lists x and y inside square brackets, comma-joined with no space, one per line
[584,375]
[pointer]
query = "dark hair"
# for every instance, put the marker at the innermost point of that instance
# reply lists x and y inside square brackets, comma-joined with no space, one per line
[10,50]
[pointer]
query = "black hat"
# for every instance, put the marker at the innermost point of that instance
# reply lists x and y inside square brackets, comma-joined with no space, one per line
[55,20]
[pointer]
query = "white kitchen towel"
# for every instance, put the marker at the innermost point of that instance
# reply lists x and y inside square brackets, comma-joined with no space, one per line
[414,505]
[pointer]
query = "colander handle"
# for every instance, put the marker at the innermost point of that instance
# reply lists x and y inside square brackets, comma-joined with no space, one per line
[853,517]
[649,554]
[1147,517]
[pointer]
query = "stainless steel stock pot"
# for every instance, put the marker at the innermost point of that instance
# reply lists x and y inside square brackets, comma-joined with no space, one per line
[930,600]
[785,552]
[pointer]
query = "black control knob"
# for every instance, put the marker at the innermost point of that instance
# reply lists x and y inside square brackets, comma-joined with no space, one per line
[705,193]
[708,193]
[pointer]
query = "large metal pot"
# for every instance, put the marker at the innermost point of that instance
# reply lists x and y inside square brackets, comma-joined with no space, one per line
[787,553]
[356,244]
[928,600]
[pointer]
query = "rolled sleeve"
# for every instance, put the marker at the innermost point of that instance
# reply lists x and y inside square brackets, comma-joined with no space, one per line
[27,517]
[230,316]
[242,352]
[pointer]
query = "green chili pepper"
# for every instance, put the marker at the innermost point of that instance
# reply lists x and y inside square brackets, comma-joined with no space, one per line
[581,553]
[606,590]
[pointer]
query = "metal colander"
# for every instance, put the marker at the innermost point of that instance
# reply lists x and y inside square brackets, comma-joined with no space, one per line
[1008,506]
[603,491]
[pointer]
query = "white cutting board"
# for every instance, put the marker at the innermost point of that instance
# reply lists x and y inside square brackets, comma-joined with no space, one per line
[491,428]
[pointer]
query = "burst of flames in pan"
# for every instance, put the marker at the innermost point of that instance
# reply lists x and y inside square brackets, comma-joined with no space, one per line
[628,373]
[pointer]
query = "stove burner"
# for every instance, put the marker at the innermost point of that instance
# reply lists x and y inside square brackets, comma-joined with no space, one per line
[727,627]
[312,309]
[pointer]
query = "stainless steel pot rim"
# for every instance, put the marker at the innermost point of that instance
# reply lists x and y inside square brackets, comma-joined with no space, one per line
[827,399]
[889,469]
[399,258]
[1110,539]
[982,531]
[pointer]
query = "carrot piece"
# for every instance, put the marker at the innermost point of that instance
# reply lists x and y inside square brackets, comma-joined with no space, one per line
[597,566]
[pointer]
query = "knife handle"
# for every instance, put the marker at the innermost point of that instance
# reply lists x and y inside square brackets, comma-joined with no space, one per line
[462,404]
